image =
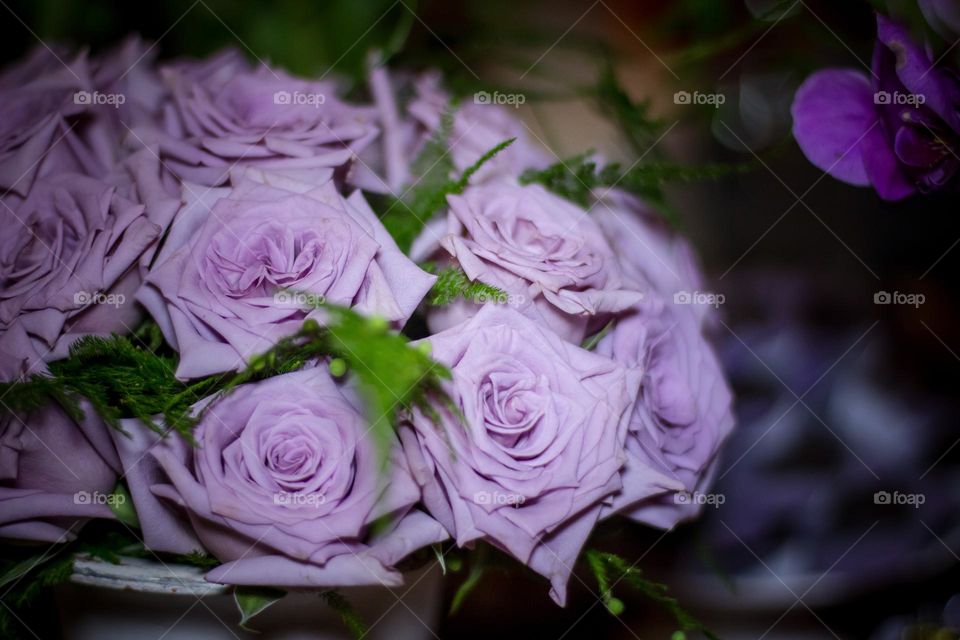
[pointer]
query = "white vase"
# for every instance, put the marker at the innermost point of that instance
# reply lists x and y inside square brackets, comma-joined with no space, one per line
[145,600]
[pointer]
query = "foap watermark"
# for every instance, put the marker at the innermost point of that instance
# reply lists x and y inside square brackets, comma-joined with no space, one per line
[285,499]
[96,98]
[96,497]
[502,297]
[710,499]
[699,297]
[897,498]
[299,98]
[498,498]
[897,297]
[511,99]
[699,98]
[298,299]
[84,298]
[899,98]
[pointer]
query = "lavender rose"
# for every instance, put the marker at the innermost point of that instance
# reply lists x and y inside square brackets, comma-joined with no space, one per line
[899,135]
[224,113]
[48,123]
[477,127]
[55,473]
[68,264]
[242,265]
[540,452]
[544,251]
[683,413]
[286,484]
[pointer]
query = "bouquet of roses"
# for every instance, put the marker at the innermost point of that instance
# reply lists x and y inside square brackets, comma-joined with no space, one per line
[298,338]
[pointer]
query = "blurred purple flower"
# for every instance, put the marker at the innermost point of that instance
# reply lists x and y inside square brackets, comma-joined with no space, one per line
[224,113]
[900,134]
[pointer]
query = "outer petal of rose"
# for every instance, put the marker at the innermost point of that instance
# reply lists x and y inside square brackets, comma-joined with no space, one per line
[640,482]
[408,282]
[556,554]
[832,110]
[279,571]
[164,529]
[415,531]
[18,356]
[20,506]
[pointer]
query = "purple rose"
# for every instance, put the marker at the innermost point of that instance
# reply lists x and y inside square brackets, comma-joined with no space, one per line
[478,125]
[225,113]
[541,448]
[243,265]
[900,135]
[127,76]
[285,486]
[55,473]
[683,413]
[651,256]
[68,265]
[48,122]
[545,252]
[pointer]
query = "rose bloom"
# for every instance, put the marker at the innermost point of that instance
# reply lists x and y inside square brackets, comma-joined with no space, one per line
[683,412]
[224,113]
[384,166]
[546,253]
[285,486]
[48,125]
[477,128]
[68,265]
[243,266]
[539,451]
[55,473]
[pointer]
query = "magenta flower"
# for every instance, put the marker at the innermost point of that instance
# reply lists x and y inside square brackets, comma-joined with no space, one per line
[899,133]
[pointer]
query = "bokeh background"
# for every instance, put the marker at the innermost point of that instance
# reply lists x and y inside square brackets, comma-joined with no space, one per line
[838,397]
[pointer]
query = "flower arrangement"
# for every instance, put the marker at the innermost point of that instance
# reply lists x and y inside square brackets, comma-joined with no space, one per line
[300,339]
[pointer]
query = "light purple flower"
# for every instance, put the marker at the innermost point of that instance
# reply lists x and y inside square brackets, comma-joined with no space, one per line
[899,134]
[542,250]
[48,124]
[244,266]
[224,113]
[69,264]
[541,446]
[683,413]
[478,126]
[55,473]
[285,487]
[651,255]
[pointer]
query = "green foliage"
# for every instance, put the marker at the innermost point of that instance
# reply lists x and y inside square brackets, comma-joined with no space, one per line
[579,178]
[640,128]
[121,379]
[452,284]
[336,601]
[251,601]
[610,569]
